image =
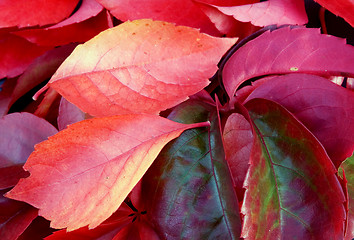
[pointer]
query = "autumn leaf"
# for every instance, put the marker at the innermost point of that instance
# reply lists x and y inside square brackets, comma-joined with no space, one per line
[320,105]
[68,114]
[292,187]
[25,130]
[138,67]
[188,190]
[89,20]
[238,140]
[102,158]
[342,8]
[288,50]
[22,13]
[17,54]
[268,12]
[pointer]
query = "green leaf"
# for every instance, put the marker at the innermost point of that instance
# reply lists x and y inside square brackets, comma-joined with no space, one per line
[292,189]
[189,190]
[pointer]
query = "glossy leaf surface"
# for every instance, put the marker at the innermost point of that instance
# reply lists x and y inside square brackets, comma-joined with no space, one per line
[288,50]
[103,158]
[292,189]
[320,105]
[269,12]
[139,67]
[189,190]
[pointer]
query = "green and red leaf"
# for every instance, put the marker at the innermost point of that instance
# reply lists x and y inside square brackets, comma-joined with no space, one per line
[292,187]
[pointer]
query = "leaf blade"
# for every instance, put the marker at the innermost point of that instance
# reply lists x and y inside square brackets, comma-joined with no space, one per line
[105,162]
[298,171]
[139,67]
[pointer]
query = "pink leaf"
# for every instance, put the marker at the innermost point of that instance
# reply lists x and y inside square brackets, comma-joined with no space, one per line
[342,8]
[288,50]
[19,132]
[21,13]
[269,12]
[325,108]
[103,158]
[139,67]
[68,114]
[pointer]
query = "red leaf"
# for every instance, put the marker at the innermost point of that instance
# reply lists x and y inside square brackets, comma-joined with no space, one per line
[37,72]
[269,12]
[16,54]
[139,67]
[20,132]
[89,20]
[288,50]
[292,187]
[102,157]
[342,8]
[184,12]
[238,139]
[15,217]
[68,114]
[21,13]
[322,106]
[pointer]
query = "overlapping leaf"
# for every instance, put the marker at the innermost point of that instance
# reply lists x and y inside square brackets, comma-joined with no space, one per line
[89,20]
[22,13]
[139,67]
[269,12]
[292,190]
[102,158]
[288,50]
[320,105]
[342,8]
[17,54]
[189,190]
[238,139]
[68,114]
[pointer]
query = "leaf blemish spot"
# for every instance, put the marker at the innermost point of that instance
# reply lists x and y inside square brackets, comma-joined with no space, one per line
[294,69]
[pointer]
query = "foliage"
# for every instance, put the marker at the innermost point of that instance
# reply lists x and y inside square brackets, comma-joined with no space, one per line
[162,119]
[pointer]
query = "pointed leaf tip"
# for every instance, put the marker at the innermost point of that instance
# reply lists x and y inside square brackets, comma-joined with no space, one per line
[142,66]
[81,175]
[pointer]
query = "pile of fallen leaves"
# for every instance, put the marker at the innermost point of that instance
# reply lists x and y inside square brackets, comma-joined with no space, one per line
[163,119]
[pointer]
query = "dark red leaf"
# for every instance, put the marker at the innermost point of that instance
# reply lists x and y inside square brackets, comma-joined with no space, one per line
[288,50]
[325,108]
[17,54]
[139,67]
[101,157]
[292,187]
[188,190]
[89,20]
[15,217]
[21,13]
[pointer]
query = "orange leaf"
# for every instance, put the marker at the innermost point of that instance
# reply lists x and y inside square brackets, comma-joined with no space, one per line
[81,175]
[142,66]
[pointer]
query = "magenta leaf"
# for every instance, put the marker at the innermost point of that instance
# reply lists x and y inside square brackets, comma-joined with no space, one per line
[288,50]
[269,12]
[292,187]
[325,108]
